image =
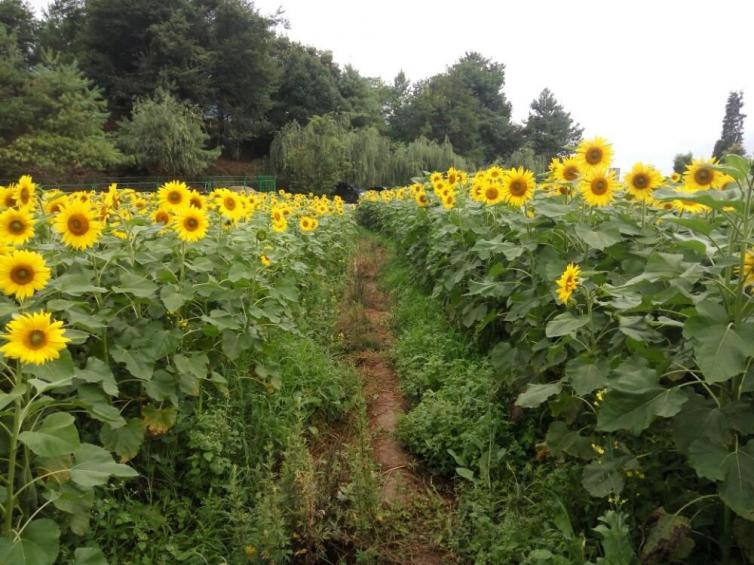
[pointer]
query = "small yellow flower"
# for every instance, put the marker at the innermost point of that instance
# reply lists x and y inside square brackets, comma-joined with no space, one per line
[568,282]
[265,260]
[599,450]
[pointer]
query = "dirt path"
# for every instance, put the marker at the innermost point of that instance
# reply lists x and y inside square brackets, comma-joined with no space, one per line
[370,339]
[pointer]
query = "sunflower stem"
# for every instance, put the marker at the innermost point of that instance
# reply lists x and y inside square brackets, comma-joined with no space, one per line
[10,500]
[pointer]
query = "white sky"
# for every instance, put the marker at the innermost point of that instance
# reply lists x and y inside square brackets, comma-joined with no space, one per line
[652,76]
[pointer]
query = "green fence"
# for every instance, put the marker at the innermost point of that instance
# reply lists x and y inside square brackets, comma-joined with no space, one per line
[144,184]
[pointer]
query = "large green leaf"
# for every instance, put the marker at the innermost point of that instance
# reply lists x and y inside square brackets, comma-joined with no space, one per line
[97,371]
[586,375]
[600,238]
[635,399]
[89,556]
[604,477]
[76,284]
[140,287]
[54,371]
[737,488]
[136,364]
[93,466]
[56,436]
[565,324]
[126,440]
[536,394]
[38,545]
[562,440]
[720,349]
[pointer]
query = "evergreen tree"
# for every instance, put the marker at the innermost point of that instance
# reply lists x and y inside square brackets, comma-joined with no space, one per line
[549,129]
[732,137]
[62,127]
[18,19]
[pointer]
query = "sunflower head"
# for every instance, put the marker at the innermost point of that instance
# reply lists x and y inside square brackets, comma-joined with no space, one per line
[422,200]
[594,153]
[449,200]
[307,223]
[566,170]
[173,195]
[491,193]
[190,224]
[16,226]
[701,174]
[8,196]
[22,273]
[568,282]
[34,338]
[598,187]
[642,180]
[518,186]
[26,191]
[78,225]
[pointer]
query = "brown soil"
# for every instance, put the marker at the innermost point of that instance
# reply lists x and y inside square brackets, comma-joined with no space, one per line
[369,338]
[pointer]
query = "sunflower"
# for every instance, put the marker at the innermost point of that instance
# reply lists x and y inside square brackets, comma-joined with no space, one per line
[8,196]
[279,226]
[22,273]
[190,224]
[421,199]
[26,191]
[265,260]
[701,175]
[642,181]
[448,201]
[307,223]
[495,174]
[34,338]
[16,226]
[435,178]
[55,205]
[491,194]
[675,177]
[230,205]
[77,223]
[598,187]
[689,206]
[452,176]
[161,216]
[173,195]
[518,186]
[568,282]
[566,170]
[594,153]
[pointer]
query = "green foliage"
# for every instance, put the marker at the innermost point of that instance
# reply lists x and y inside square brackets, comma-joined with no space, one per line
[732,137]
[327,151]
[17,17]
[165,136]
[60,126]
[549,129]
[680,161]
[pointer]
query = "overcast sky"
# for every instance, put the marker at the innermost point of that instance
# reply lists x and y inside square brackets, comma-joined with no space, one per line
[652,76]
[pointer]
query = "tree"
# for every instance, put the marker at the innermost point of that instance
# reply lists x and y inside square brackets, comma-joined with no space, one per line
[464,104]
[732,137]
[18,19]
[12,76]
[549,129]
[365,98]
[166,136]
[60,29]
[63,123]
[680,161]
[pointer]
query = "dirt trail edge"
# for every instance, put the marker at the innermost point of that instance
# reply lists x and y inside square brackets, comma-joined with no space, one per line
[371,338]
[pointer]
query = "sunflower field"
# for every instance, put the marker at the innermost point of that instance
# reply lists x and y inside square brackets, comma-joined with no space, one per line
[618,320]
[138,342]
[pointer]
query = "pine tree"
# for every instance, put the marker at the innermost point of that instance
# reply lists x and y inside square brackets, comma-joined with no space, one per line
[680,161]
[732,138]
[549,129]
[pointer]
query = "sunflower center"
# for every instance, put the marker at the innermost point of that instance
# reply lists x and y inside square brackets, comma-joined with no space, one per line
[570,173]
[599,186]
[17,226]
[594,155]
[491,193]
[196,203]
[36,339]
[229,203]
[78,224]
[21,274]
[162,218]
[703,176]
[191,224]
[518,187]
[452,179]
[174,197]
[641,181]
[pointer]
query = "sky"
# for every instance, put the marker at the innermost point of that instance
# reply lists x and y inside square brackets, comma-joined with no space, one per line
[651,76]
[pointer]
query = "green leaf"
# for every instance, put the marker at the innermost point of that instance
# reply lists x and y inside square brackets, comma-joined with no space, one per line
[126,441]
[89,556]
[93,466]
[98,405]
[604,477]
[173,297]
[16,392]
[616,540]
[136,364]
[97,371]
[76,284]
[158,420]
[56,436]
[467,474]
[668,538]
[54,371]
[720,350]
[38,545]
[737,488]
[599,239]
[562,440]
[140,287]
[565,324]
[707,457]
[536,394]
[586,376]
